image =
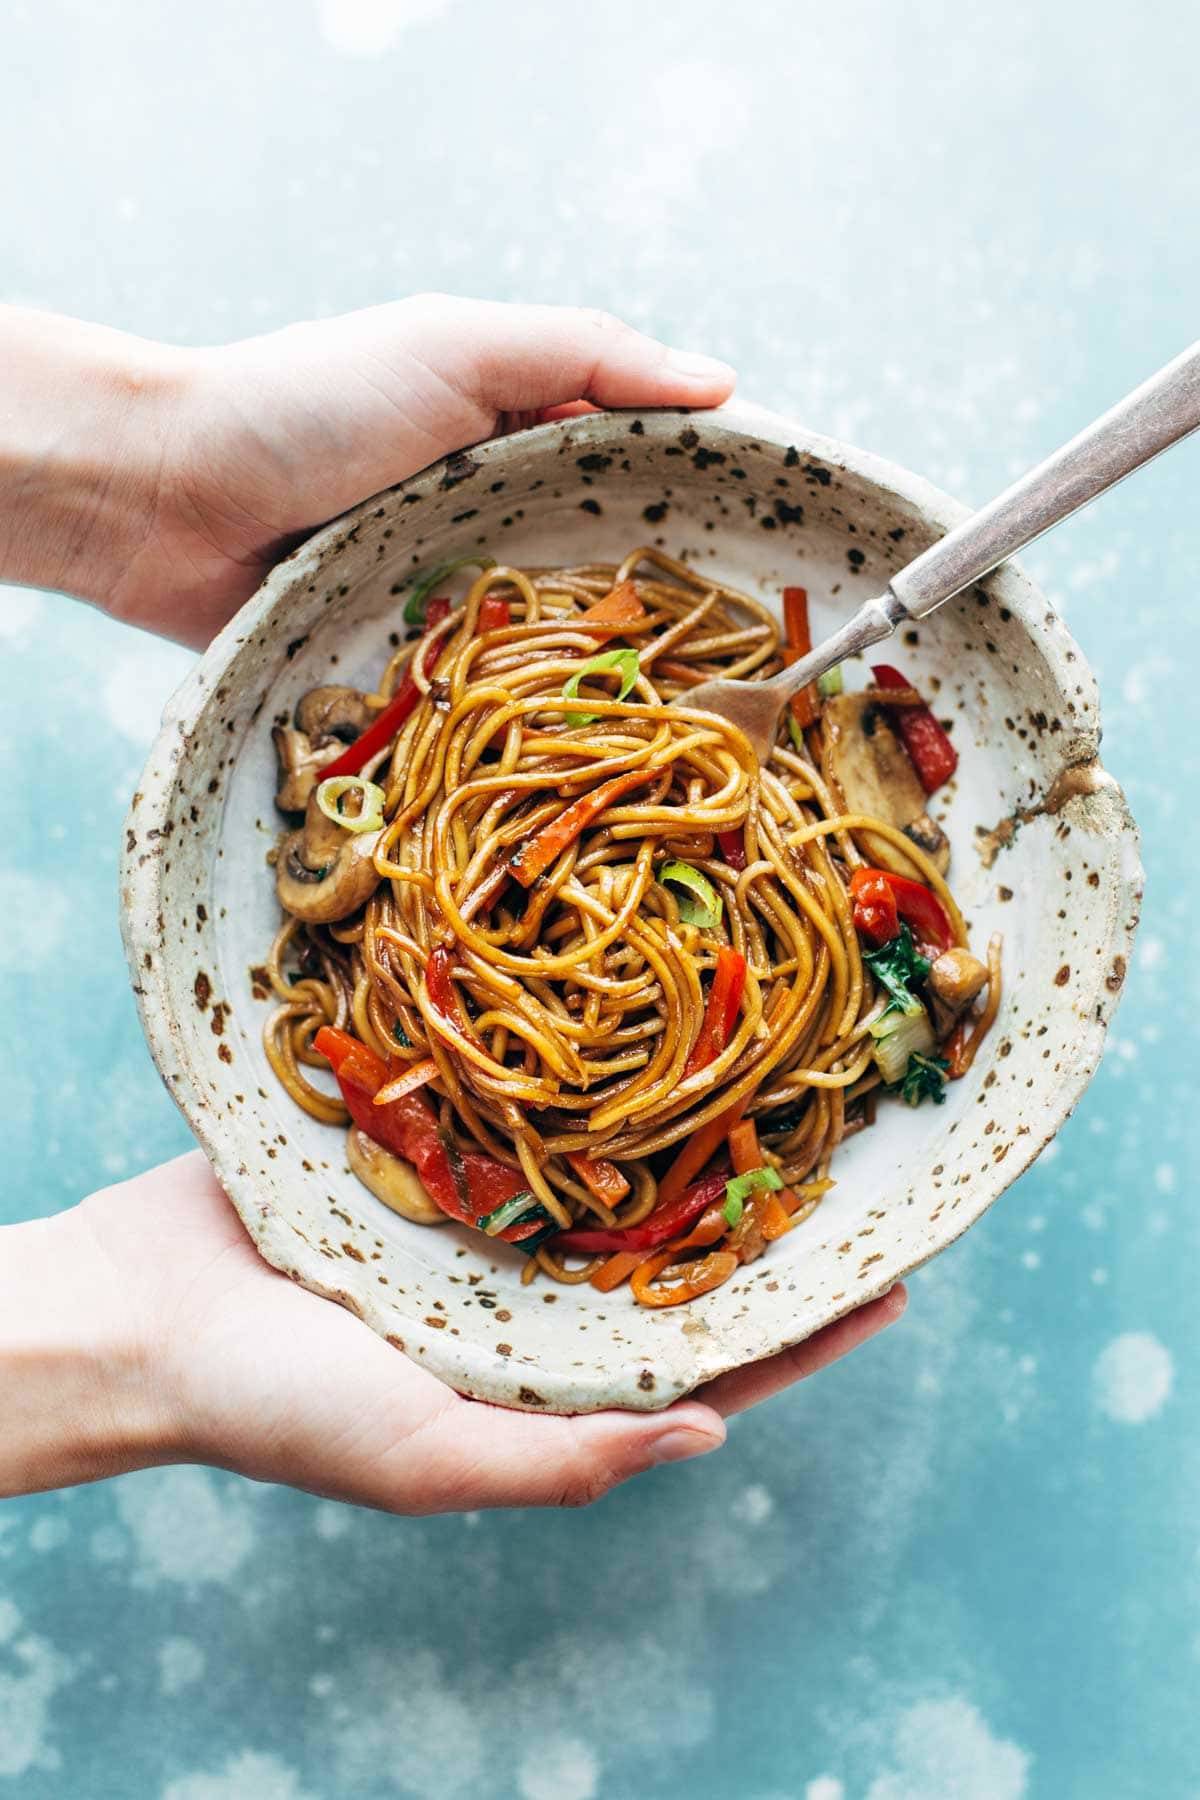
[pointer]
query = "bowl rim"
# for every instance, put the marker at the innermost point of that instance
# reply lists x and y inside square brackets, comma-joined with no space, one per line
[469,1366]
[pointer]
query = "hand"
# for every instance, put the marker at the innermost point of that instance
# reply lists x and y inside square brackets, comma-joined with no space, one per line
[143,1327]
[167,482]
[198,1351]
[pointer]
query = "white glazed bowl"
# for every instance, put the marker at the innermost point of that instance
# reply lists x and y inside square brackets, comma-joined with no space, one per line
[764,501]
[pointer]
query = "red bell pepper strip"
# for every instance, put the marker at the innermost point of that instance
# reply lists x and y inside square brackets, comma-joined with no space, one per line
[798,643]
[720,1011]
[875,914]
[916,904]
[465,1184]
[733,848]
[494,615]
[537,853]
[669,1218]
[933,755]
[384,726]
[605,618]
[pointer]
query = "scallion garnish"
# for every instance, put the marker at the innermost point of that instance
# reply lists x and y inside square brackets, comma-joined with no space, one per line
[369,816]
[738,1186]
[796,735]
[414,606]
[512,1212]
[702,905]
[830,683]
[624,660]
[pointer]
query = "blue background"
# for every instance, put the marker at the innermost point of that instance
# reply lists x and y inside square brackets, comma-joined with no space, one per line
[965,1562]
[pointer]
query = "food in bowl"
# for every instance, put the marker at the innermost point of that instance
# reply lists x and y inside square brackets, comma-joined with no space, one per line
[589,979]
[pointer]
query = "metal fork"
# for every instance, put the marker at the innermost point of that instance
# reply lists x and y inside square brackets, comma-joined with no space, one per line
[1149,420]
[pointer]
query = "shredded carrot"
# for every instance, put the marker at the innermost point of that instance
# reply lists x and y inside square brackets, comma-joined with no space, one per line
[774,1218]
[605,618]
[797,643]
[691,1278]
[537,853]
[407,1082]
[617,1269]
[744,1151]
[697,1151]
[601,1177]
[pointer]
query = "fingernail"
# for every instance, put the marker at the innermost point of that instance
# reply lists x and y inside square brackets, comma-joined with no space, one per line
[697,367]
[679,1443]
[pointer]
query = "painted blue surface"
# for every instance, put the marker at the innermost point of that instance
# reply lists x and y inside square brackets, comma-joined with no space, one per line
[964,1563]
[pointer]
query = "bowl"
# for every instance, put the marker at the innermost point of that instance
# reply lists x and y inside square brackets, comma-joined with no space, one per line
[1044,851]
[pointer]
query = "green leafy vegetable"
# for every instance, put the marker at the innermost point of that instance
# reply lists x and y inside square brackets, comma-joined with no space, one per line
[401,1036]
[705,908]
[738,1186]
[895,966]
[925,1077]
[414,606]
[899,1035]
[626,661]
[830,683]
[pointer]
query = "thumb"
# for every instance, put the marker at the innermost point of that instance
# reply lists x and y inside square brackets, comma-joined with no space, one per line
[523,359]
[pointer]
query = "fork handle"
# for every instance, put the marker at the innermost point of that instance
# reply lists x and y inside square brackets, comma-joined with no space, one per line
[1148,421]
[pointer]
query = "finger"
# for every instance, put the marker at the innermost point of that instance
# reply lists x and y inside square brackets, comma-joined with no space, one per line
[486,1456]
[746,1387]
[508,358]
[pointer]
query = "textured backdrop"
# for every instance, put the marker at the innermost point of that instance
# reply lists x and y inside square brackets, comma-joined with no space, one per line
[962,1566]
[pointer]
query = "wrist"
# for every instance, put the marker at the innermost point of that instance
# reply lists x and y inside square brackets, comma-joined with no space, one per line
[77,1395]
[87,416]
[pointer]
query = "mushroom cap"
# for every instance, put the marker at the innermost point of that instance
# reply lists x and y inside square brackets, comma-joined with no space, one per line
[324,872]
[391,1179]
[333,711]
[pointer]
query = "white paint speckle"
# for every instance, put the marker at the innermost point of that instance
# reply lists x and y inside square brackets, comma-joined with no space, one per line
[1030,1260]
[558,1768]
[753,1505]
[246,1777]
[1099,1277]
[20,612]
[181,1664]
[48,1533]
[369,27]
[35,915]
[1132,1378]
[331,1521]
[30,1677]
[825,1787]
[1164,1178]
[138,685]
[185,1526]
[945,1750]
[1149,953]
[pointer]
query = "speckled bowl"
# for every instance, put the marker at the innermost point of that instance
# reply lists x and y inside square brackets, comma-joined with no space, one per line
[765,501]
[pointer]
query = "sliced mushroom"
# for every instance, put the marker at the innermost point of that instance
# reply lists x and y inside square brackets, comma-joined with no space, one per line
[874,772]
[954,980]
[390,1179]
[324,872]
[338,712]
[300,765]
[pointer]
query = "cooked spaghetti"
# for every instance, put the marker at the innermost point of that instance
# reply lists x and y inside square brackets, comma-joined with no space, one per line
[589,978]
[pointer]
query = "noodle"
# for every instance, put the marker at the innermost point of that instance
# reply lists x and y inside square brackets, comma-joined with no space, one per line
[511,920]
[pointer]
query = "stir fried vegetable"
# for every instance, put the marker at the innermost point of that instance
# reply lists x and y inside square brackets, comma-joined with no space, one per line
[415,607]
[702,904]
[933,755]
[720,1012]
[896,966]
[623,661]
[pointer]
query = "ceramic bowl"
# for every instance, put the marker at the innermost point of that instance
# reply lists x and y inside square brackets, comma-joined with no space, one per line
[764,501]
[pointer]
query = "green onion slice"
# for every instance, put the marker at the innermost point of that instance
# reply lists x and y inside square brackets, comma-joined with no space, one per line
[830,683]
[414,606]
[702,906]
[370,813]
[737,1188]
[795,733]
[511,1213]
[625,660]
